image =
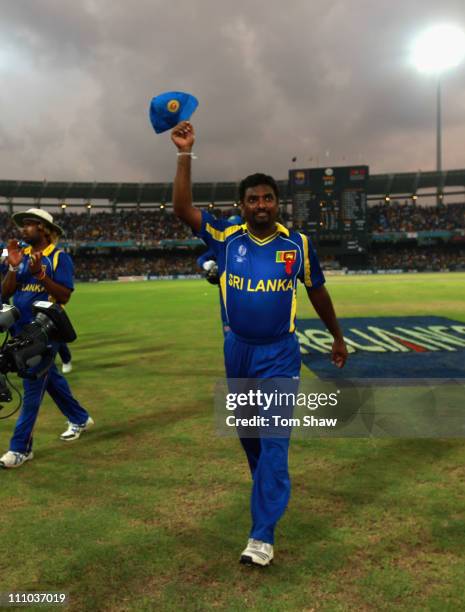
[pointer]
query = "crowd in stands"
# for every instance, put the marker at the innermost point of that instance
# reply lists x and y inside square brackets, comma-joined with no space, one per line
[150,226]
[147,227]
[7,228]
[397,217]
[162,263]
[143,226]
[422,259]
[110,267]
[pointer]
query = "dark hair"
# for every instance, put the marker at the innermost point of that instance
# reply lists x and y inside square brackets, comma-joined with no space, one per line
[253,180]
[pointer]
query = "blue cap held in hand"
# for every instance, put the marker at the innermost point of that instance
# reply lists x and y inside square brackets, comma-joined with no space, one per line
[170,108]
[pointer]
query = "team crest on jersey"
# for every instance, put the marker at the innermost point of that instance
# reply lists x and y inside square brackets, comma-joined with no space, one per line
[388,347]
[287,257]
[173,106]
[241,253]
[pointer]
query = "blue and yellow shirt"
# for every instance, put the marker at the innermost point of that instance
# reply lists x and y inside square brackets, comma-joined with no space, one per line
[258,278]
[58,266]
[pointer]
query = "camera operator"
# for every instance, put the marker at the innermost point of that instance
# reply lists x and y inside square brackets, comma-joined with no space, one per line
[39,272]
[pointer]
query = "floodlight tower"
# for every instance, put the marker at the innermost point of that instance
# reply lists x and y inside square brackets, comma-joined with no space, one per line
[435,51]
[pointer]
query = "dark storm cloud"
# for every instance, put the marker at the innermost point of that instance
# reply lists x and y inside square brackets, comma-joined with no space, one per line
[328,82]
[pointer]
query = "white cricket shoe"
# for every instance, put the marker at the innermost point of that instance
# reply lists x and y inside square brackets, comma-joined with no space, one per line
[67,367]
[257,553]
[13,459]
[74,430]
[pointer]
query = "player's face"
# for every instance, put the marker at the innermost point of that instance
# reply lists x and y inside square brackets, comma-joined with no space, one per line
[31,231]
[260,206]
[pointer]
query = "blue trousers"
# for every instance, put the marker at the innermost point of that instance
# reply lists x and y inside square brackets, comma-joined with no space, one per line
[57,387]
[267,456]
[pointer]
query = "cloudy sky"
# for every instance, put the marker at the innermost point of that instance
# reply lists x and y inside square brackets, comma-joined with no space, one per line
[328,82]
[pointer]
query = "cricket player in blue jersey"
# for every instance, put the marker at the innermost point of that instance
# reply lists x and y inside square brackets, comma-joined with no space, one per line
[259,263]
[40,271]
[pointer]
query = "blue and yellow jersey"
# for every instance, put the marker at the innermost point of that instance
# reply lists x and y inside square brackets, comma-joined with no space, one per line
[258,278]
[58,266]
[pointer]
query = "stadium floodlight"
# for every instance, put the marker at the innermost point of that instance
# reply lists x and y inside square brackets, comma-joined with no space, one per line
[436,50]
[439,48]
[162,206]
[63,205]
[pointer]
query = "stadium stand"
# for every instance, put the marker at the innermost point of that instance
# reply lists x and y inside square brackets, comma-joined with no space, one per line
[399,217]
[128,234]
[150,243]
[149,264]
[421,259]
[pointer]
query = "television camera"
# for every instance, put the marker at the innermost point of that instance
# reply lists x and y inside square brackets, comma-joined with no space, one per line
[31,353]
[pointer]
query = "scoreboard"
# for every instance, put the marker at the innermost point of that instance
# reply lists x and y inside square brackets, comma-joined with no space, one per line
[330,205]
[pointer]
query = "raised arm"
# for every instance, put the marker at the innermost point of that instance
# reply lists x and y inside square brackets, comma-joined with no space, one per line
[183,137]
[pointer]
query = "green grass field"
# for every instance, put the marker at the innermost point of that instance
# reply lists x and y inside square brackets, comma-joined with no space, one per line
[149,511]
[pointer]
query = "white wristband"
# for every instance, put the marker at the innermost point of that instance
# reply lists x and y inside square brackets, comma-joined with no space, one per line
[189,154]
[13,268]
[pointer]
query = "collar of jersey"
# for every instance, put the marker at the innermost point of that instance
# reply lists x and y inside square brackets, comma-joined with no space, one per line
[45,252]
[280,229]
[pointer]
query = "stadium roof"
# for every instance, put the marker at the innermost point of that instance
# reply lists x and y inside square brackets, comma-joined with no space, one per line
[379,185]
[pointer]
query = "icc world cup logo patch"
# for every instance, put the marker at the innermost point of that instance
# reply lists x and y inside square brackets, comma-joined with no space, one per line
[288,258]
[241,253]
[173,106]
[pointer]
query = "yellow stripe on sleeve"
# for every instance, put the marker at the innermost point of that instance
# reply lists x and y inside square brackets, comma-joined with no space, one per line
[221,235]
[55,259]
[223,287]
[307,275]
[293,311]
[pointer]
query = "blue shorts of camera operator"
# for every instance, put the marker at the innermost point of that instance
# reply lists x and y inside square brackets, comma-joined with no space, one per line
[267,455]
[57,387]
